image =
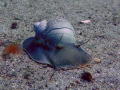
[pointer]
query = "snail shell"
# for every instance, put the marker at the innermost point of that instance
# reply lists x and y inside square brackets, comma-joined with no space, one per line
[54,30]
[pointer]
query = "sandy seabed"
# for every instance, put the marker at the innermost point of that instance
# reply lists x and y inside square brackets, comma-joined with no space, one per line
[104,44]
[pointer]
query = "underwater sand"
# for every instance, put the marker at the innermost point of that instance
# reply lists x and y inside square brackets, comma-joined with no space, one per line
[22,73]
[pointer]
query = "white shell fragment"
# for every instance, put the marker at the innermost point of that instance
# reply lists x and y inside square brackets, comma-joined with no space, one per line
[85,21]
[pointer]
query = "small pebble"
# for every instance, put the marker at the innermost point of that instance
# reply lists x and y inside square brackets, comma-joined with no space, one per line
[13,74]
[14,25]
[87,76]
[119,53]
[97,60]
[1,43]
[27,75]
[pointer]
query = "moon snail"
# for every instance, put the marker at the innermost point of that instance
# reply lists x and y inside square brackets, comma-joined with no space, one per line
[55,44]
